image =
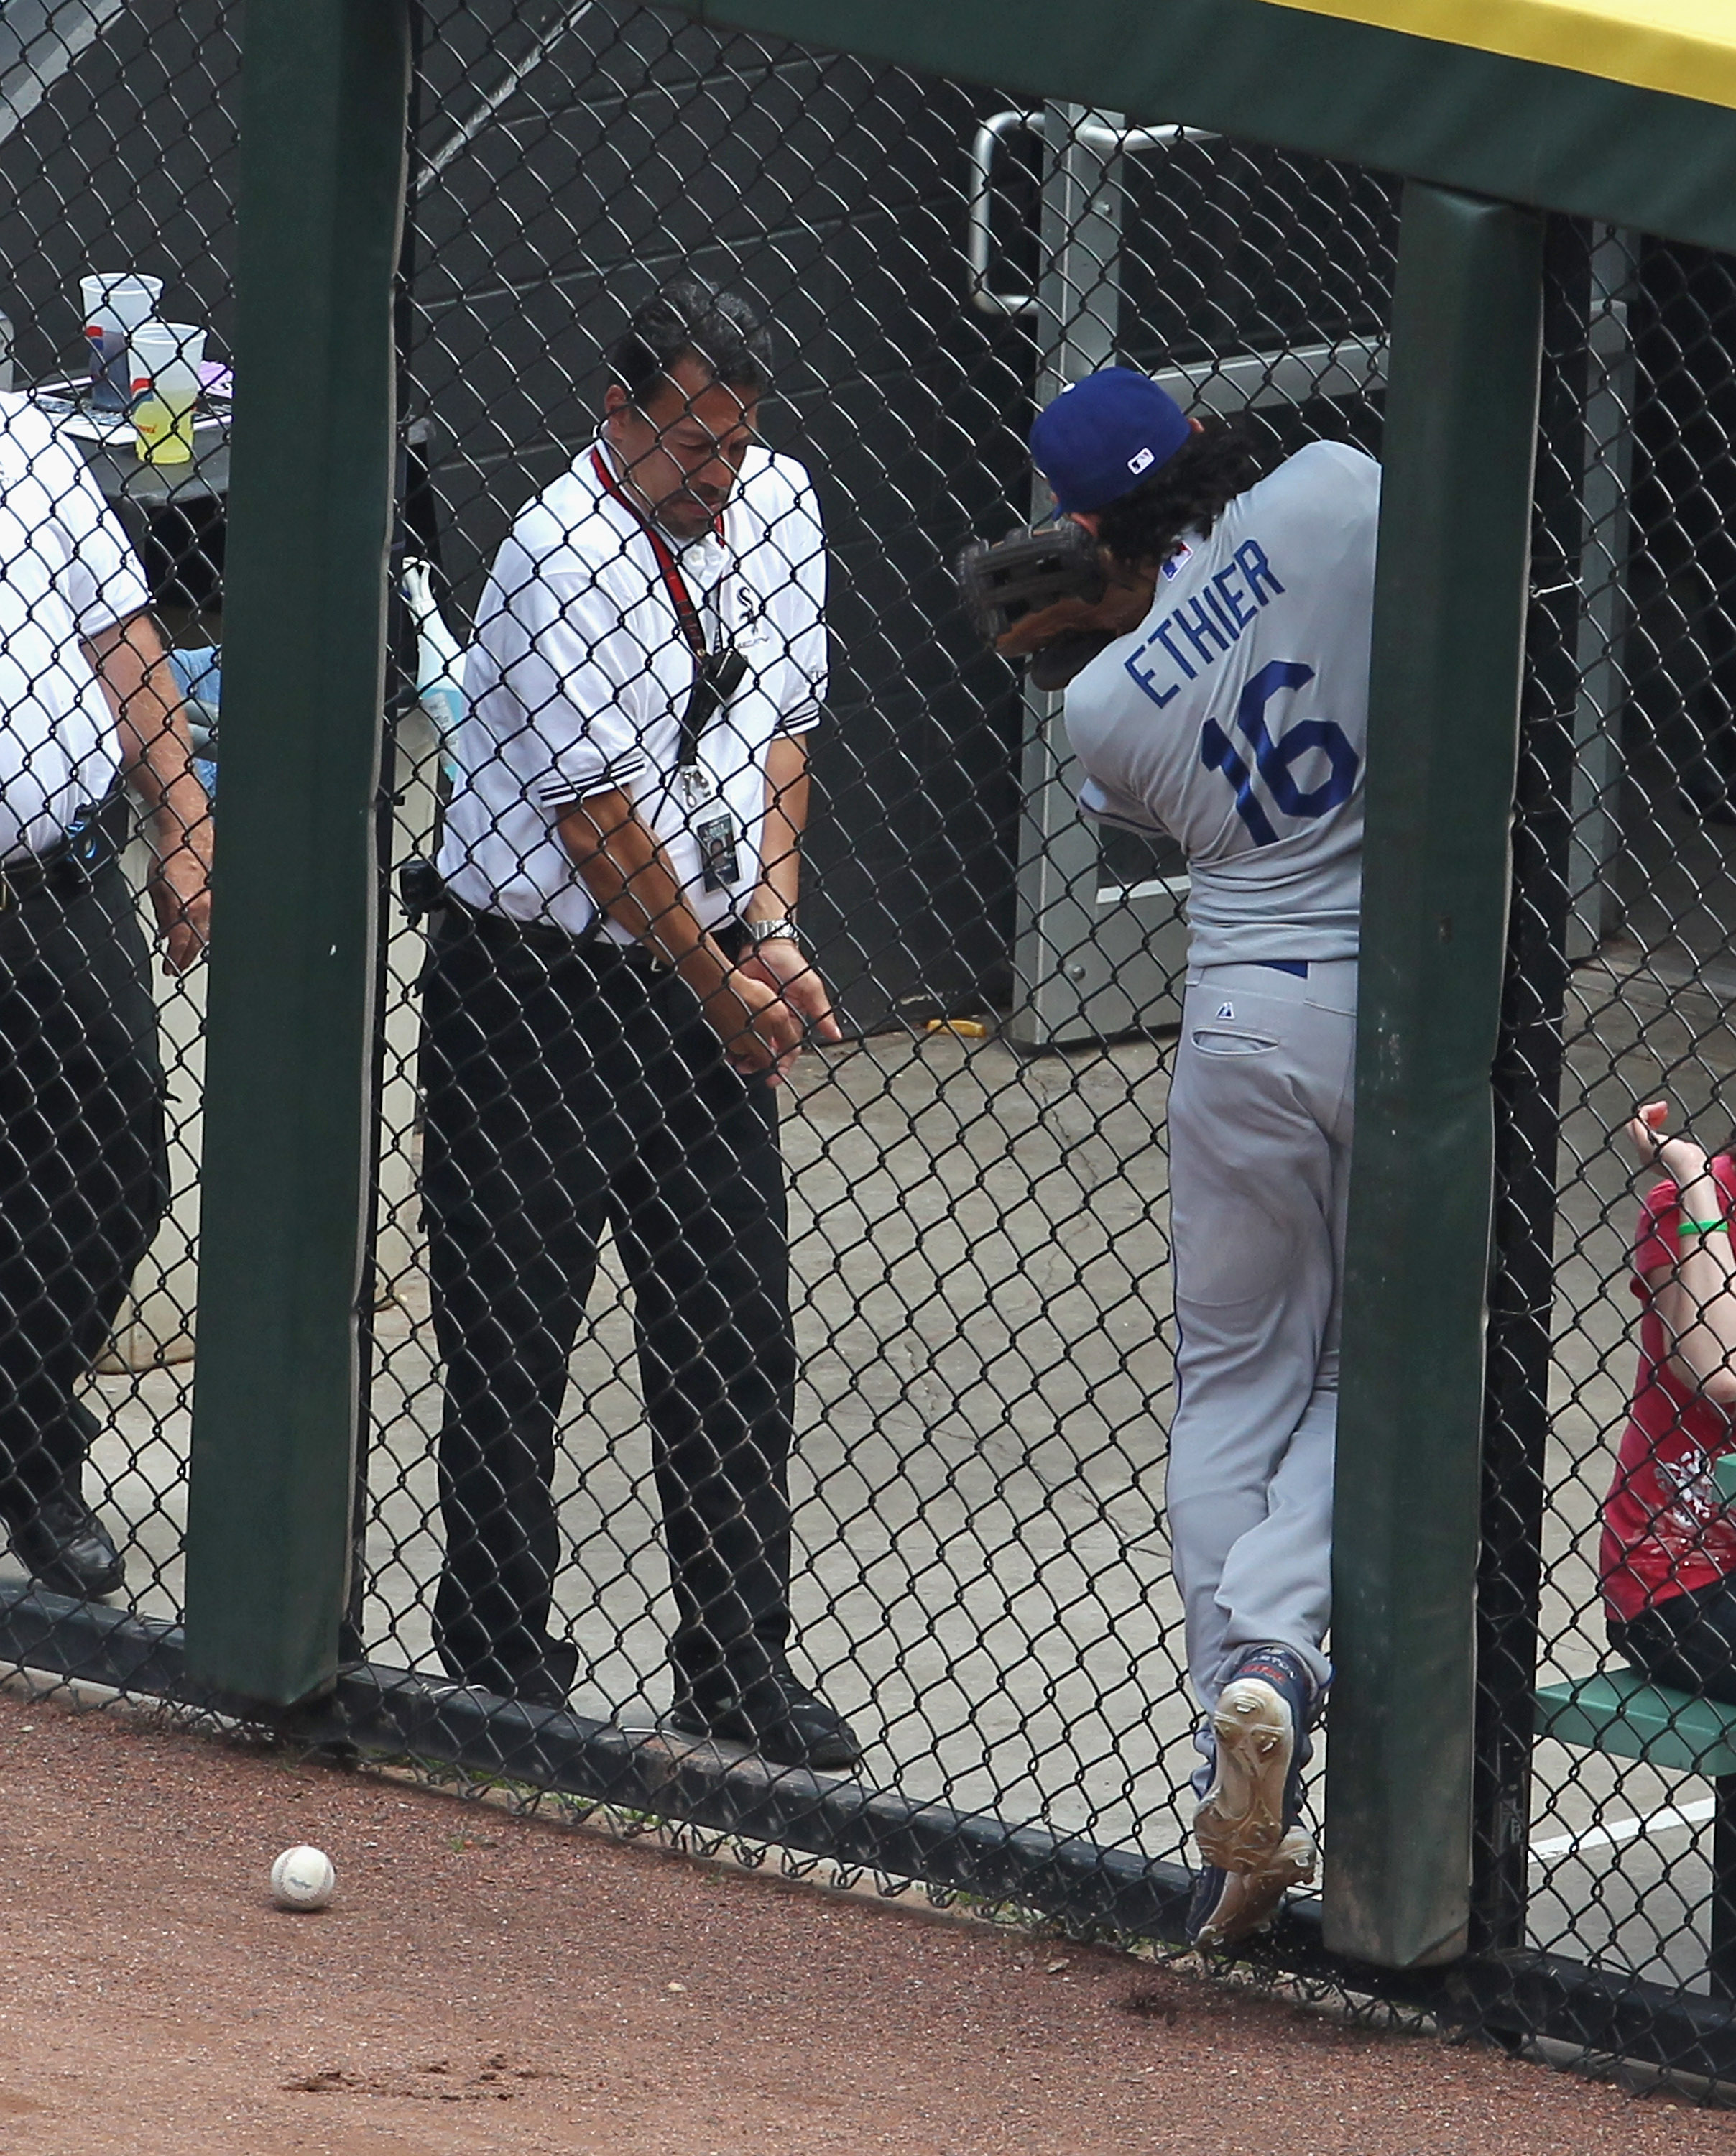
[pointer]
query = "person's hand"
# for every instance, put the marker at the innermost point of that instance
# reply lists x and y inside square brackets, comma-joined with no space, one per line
[1679,1159]
[181,897]
[760,1031]
[781,963]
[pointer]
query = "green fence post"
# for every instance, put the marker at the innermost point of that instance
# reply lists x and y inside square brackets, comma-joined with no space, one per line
[324,100]
[1443,735]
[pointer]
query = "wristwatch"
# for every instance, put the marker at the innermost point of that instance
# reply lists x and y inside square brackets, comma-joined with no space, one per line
[773,932]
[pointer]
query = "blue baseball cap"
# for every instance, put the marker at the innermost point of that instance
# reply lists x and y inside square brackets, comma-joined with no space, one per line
[1097,440]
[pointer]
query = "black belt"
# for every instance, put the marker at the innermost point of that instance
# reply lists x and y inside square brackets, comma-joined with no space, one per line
[423,891]
[593,946]
[597,950]
[65,869]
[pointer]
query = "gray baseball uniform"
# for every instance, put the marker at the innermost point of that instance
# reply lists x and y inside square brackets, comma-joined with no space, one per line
[1235,718]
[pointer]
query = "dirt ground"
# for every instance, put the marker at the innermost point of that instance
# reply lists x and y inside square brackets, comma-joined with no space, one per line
[483,1984]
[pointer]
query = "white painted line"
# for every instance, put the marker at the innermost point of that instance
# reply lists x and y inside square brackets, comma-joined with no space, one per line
[1667,1820]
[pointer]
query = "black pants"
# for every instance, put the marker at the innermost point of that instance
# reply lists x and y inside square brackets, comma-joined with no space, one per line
[562,1092]
[83,1182]
[1687,1642]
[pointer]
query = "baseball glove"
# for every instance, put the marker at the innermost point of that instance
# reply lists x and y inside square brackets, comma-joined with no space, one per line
[1054,596]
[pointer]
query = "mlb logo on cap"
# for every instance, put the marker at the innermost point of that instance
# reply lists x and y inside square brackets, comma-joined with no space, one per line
[1096,441]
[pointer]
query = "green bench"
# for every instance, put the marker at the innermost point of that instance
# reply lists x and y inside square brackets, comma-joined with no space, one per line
[1618,1712]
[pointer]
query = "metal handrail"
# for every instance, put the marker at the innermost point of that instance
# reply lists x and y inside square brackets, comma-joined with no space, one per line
[1106,141]
[978,203]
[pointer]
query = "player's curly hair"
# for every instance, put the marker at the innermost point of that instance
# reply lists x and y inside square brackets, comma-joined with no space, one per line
[1188,493]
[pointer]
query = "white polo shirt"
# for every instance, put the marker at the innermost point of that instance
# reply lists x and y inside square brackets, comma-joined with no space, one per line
[66,574]
[580,671]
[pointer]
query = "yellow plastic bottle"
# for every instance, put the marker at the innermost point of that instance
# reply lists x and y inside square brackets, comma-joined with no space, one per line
[162,418]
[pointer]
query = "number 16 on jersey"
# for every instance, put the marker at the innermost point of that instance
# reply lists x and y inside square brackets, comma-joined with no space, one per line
[1273,760]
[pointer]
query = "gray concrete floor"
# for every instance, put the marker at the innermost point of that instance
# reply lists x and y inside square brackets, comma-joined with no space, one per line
[981,1582]
[982,1578]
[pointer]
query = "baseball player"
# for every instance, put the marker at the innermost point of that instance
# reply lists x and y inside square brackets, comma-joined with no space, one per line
[1215,628]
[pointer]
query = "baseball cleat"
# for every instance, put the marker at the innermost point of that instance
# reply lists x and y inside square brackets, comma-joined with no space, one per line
[1216,1902]
[1228,1906]
[1259,1728]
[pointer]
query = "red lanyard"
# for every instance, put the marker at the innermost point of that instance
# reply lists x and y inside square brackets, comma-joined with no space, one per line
[675,584]
[717,674]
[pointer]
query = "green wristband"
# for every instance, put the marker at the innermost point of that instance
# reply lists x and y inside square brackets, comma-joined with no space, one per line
[1699,1227]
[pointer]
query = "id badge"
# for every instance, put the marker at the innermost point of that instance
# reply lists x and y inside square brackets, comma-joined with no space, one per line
[717,850]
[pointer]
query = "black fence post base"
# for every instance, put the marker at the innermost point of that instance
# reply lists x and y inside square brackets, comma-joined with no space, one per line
[1721,1957]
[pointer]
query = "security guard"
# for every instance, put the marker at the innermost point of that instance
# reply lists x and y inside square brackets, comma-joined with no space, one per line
[86,700]
[615,988]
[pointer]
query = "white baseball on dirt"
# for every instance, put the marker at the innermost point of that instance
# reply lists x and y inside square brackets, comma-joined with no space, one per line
[303,1878]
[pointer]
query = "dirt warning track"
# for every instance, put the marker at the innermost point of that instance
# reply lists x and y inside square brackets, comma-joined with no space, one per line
[483,1984]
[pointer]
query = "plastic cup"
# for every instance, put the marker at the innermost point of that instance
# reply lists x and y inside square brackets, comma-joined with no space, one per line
[115,307]
[165,376]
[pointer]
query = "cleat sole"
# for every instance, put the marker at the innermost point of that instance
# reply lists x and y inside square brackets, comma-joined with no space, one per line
[1240,1823]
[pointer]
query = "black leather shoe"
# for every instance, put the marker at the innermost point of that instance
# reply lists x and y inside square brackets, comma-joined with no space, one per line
[65,1546]
[777,1715]
[549,1685]
[545,1683]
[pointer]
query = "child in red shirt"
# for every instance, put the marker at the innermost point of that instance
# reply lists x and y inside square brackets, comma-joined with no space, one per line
[1668,1559]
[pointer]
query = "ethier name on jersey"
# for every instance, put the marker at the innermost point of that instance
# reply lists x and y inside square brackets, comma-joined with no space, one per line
[1206,627]
[1236,717]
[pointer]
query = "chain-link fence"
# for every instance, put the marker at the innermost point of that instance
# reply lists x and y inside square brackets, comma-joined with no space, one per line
[977,1235]
[117,143]
[1609,1847]
[975,1408]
